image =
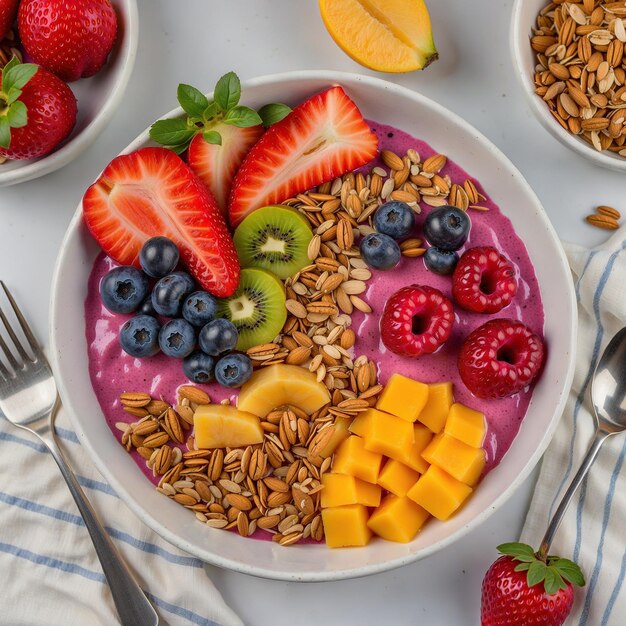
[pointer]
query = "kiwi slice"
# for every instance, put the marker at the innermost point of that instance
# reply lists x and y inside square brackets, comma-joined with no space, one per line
[274,238]
[257,308]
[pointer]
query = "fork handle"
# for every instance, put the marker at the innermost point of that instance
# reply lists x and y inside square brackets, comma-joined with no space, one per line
[132,605]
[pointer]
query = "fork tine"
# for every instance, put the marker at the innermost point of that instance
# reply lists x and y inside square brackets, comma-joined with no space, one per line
[7,353]
[4,372]
[28,333]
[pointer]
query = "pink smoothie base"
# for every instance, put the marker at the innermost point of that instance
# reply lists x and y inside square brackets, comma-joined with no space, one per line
[112,371]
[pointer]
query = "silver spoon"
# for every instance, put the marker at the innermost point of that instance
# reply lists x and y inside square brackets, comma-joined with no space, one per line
[608,397]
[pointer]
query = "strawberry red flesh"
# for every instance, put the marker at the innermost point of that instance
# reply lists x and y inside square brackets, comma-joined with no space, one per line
[216,165]
[8,13]
[152,192]
[322,138]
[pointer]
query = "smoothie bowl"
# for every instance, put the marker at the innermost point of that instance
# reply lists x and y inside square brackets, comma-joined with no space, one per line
[385,377]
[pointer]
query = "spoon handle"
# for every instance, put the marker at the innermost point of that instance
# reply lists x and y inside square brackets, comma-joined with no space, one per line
[598,439]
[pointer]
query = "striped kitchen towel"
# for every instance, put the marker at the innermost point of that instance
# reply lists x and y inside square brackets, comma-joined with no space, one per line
[49,571]
[593,532]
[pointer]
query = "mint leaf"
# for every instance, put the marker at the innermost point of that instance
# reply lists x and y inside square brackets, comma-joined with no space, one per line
[272,113]
[212,136]
[516,549]
[211,111]
[553,582]
[171,133]
[13,94]
[536,573]
[242,117]
[570,571]
[5,132]
[11,64]
[18,75]
[17,115]
[227,91]
[193,101]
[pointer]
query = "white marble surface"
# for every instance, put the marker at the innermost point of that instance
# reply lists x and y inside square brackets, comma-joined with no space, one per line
[195,41]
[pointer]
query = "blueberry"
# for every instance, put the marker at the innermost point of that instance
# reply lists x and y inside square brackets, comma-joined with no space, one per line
[380,251]
[169,292]
[139,336]
[395,219]
[199,367]
[199,308]
[177,338]
[218,336]
[233,370]
[146,307]
[158,257]
[123,288]
[447,228]
[441,261]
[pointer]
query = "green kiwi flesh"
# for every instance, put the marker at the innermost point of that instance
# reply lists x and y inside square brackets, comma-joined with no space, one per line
[274,238]
[257,308]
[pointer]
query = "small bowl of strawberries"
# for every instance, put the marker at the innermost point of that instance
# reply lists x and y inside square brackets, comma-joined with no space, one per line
[63,72]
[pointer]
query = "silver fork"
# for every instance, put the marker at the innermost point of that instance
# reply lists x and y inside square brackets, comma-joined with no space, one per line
[29,399]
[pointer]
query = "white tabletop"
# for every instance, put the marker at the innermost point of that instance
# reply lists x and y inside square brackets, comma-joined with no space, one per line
[195,41]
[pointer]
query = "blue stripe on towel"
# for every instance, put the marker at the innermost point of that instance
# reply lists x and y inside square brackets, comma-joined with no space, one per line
[70,518]
[596,312]
[605,521]
[72,568]
[579,399]
[68,435]
[616,589]
[88,483]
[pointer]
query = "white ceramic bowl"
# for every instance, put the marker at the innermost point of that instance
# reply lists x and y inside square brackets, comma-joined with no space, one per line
[98,98]
[522,20]
[449,134]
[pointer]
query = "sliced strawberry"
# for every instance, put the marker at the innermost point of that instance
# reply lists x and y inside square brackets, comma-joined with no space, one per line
[152,192]
[324,137]
[216,165]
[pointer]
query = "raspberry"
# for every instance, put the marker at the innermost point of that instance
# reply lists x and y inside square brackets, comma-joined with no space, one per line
[484,281]
[416,320]
[500,358]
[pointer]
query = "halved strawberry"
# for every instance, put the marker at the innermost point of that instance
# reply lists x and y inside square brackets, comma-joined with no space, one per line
[322,138]
[216,165]
[153,192]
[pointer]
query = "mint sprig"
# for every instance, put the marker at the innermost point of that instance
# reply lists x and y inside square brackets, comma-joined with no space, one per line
[553,571]
[13,112]
[205,116]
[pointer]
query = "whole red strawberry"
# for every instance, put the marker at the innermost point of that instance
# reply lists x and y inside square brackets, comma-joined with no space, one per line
[71,39]
[525,589]
[8,13]
[37,111]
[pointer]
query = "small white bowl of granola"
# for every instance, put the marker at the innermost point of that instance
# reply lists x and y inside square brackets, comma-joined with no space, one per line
[92,372]
[568,59]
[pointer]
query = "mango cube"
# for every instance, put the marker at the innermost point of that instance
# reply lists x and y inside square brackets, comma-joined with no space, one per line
[339,434]
[361,423]
[436,410]
[439,493]
[397,519]
[341,489]
[388,434]
[456,458]
[353,459]
[403,397]
[412,455]
[395,477]
[281,384]
[346,526]
[466,425]
[222,426]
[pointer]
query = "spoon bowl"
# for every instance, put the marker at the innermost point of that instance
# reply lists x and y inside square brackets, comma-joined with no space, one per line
[608,389]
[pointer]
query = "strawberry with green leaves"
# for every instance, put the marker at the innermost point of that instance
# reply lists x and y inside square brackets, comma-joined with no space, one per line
[217,134]
[37,111]
[524,588]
